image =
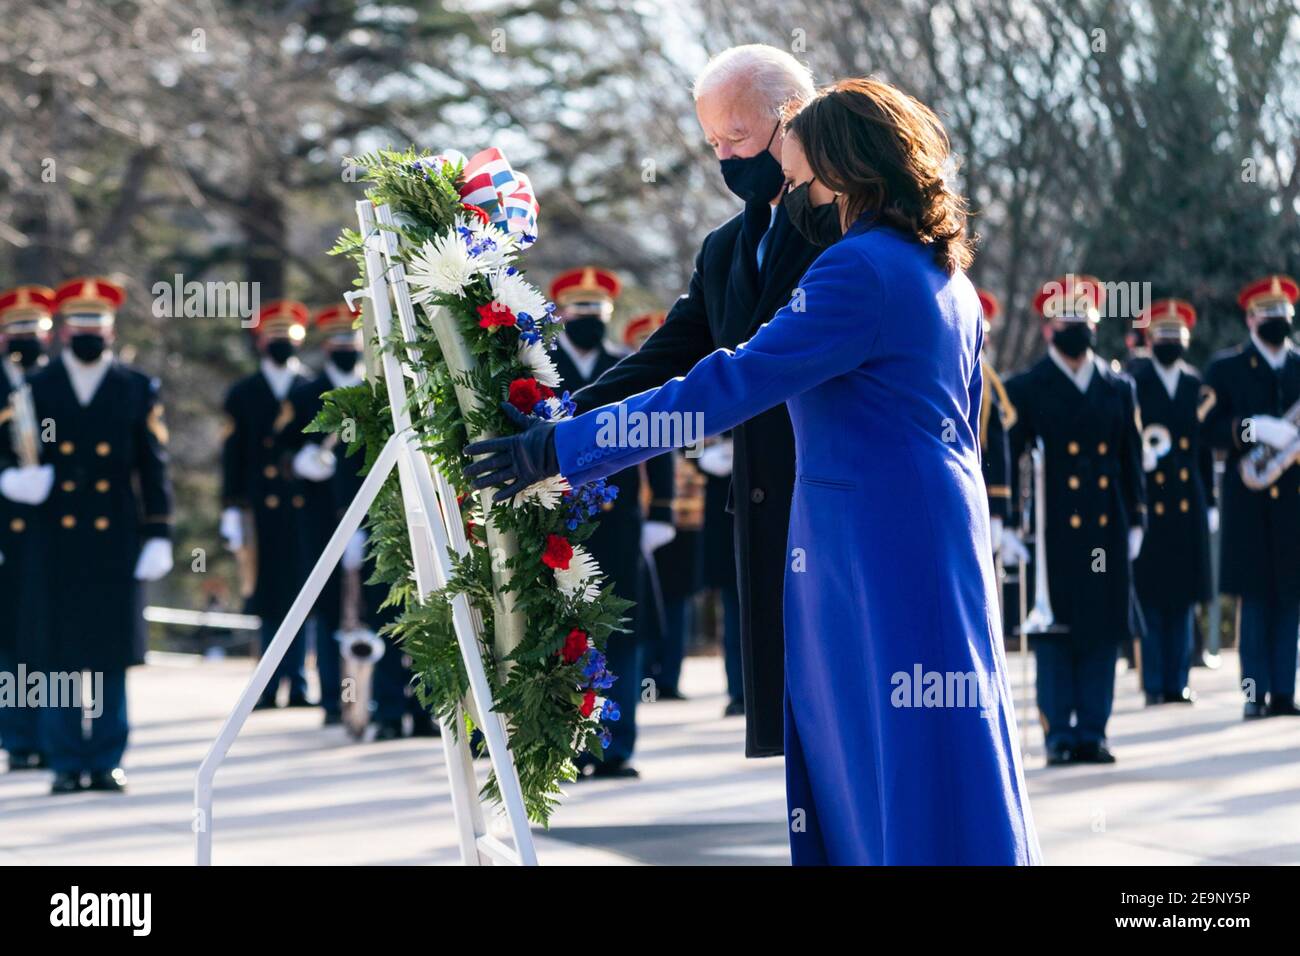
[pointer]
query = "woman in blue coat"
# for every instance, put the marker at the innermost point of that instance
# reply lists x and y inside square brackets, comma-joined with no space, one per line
[901,741]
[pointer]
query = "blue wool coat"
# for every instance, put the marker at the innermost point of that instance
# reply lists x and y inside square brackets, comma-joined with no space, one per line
[901,741]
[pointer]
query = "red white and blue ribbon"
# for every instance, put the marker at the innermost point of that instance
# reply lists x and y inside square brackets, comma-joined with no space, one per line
[505,195]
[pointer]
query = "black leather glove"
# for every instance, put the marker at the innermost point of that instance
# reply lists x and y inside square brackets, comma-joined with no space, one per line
[514,461]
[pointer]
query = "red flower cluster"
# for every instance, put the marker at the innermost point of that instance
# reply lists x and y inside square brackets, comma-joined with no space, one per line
[588,703]
[575,645]
[558,552]
[494,314]
[525,393]
[477,211]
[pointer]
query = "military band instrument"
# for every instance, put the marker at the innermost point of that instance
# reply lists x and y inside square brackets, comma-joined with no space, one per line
[1156,443]
[24,432]
[360,649]
[1040,619]
[1264,464]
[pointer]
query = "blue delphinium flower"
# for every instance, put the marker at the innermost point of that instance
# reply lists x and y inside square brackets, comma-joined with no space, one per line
[609,710]
[605,737]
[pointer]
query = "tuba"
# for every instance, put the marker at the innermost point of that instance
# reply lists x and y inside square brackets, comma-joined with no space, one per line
[1040,619]
[1264,464]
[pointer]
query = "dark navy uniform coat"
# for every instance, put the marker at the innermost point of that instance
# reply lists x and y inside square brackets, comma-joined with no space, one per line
[17,527]
[1260,539]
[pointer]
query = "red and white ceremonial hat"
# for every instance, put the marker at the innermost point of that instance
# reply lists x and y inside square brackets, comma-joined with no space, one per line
[26,310]
[642,327]
[336,321]
[1168,319]
[89,302]
[1071,297]
[990,304]
[589,286]
[281,319]
[1271,295]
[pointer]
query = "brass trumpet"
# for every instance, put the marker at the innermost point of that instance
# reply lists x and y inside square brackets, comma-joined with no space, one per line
[1040,619]
[1264,464]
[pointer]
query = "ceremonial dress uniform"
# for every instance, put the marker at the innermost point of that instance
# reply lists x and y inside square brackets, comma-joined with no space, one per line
[25,321]
[105,526]
[1252,387]
[1172,573]
[585,298]
[1088,423]
[257,477]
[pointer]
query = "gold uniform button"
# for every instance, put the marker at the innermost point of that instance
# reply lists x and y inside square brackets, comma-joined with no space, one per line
[1103,520]
[69,486]
[101,524]
[69,521]
[1074,482]
[269,471]
[1184,505]
[1160,477]
[1273,492]
[102,449]
[1102,448]
[1183,474]
[299,501]
[1160,507]
[1075,521]
[17,526]
[1103,481]
[1073,448]
[102,485]
[1184,443]
[273,501]
[66,448]
[607,506]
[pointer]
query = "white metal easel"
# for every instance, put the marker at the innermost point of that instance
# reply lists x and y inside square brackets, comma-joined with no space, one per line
[433,519]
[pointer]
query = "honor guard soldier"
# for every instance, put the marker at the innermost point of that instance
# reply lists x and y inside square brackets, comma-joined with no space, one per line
[25,322]
[1251,396]
[104,527]
[1086,417]
[257,478]
[585,299]
[1172,573]
[997,415]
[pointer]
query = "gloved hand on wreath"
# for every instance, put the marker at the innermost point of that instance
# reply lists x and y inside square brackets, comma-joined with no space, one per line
[514,462]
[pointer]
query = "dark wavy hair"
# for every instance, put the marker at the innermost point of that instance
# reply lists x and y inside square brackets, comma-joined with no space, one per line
[885,152]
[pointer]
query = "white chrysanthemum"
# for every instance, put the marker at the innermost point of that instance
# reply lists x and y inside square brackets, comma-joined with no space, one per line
[581,579]
[534,357]
[517,294]
[546,493]
[440,266]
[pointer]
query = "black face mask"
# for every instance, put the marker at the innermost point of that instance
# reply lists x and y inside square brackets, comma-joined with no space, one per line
[820,225]
[27,351]
[345,360]
[585,333]
[1274,331]
[87,346]
[280,351]
[1073,340]
[755,178]
[1167,353]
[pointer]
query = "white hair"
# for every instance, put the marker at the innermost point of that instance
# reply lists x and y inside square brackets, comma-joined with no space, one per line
[770,74]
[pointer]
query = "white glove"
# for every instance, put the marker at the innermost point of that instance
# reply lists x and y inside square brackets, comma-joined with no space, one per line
[1212,519]
[155,560]
[232,528]
[314,463]
[1009,545]
[716,459]
[1274,432]
[354,552]
[1135,536]
[27,486]
[654,535]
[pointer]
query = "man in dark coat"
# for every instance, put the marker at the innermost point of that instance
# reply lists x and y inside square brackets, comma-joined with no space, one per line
[257,477]
[745,271]
[585,298]
[1172,574]
[1086,417]
[103,528]
[26,317]
[1252,388]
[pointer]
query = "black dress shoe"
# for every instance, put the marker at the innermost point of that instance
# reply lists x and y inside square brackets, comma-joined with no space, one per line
[66,781]
[613,769]
[1094,752]
[108,781]
[25,760]
[297,700]
[423,725]
[1279,706]
[388,730]
[332,719]
[1058,755]
[1154,700]
[670,694]
[735,708]
[1184,696]
[265,703]
[1254,710]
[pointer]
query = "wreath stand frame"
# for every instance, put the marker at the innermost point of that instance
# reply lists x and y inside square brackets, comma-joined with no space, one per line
[429,500]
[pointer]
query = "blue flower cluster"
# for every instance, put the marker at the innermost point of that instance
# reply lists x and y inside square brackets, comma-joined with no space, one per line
[594,670]
[476,247]
[584,502]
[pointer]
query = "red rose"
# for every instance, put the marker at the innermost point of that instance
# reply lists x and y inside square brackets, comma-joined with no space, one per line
[477,211]
[525,393]
[558,552]
[588,703]
[575,645]
[493,314]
